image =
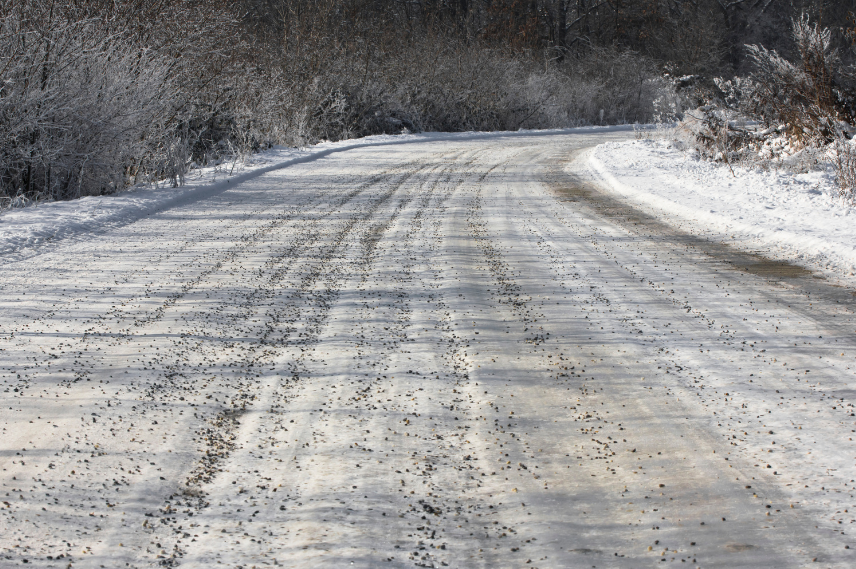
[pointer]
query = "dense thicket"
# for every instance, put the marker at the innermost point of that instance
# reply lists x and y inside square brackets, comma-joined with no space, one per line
[96,95]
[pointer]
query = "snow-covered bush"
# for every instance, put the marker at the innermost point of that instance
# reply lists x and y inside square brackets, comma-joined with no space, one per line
[808,97]
[437,84]
[799,114]
[99,95]
[96,96]
[74,105]
[615,86]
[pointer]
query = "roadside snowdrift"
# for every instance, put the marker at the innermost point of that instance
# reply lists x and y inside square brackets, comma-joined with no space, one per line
[798,217]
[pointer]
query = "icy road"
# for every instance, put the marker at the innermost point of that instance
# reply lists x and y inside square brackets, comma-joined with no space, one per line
[433,354]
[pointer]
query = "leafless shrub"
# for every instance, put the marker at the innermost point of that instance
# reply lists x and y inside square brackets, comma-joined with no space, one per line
[86,108]
[844,160]
[802,111]
[99,95]
[806,96]
[438,84]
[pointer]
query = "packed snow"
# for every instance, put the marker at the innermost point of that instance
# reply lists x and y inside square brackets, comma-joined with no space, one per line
[798,217]
[23,230]
[439,354]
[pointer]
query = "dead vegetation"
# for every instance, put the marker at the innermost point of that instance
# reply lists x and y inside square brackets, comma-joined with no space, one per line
[796,114]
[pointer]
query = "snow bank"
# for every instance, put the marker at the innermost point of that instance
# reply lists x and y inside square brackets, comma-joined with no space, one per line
[796,217]
[23,231]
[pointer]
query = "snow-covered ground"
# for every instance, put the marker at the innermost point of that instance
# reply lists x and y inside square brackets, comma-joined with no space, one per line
[23,230]
[790,216]
[432,354]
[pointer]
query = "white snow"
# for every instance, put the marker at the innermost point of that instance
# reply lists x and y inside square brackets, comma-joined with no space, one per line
[415,355]
[794,216]
[23,230]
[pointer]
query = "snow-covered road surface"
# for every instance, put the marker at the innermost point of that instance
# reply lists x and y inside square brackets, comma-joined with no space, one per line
[431,354]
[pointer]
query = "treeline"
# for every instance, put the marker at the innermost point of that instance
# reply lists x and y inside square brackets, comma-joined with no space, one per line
[97,95]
